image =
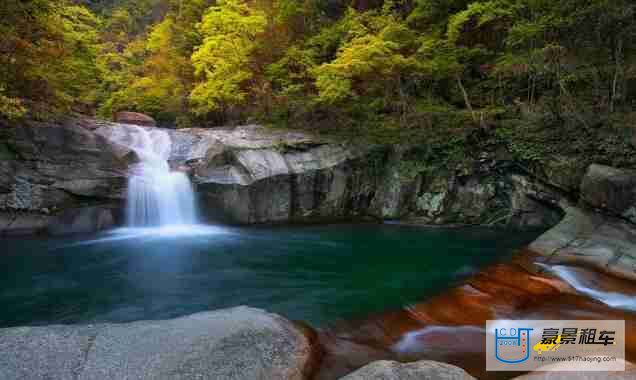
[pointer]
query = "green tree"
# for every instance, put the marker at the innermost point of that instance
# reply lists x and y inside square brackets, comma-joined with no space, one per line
[229,32]
[48,51]
[375,60]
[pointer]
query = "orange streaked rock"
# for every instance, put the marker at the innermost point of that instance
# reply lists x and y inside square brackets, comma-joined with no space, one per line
[450,327]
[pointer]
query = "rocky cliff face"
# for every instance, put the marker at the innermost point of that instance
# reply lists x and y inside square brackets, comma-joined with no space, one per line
[251,174]
[307,180]
[68,177]
[56,174]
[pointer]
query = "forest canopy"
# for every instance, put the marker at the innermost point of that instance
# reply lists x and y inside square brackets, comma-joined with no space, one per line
[404,64]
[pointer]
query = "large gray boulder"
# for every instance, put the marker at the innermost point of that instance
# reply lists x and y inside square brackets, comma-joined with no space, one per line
[611,190]
[267,185]
[584,237]
[47,168]
[421,370]
[237,343]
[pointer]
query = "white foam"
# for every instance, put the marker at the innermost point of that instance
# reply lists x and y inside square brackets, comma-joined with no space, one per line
[612,299]
[156,195]
[411,342]
[154,233]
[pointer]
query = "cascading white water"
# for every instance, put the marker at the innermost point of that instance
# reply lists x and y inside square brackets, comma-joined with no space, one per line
[157,196]
[612,299]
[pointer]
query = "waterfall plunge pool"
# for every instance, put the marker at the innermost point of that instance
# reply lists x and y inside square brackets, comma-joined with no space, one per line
[318,274]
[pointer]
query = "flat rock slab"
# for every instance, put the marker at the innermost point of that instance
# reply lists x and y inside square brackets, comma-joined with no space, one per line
[603,242]
[425,369]
[237,343]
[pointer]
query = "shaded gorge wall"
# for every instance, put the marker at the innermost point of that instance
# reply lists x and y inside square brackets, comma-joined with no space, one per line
[69,176]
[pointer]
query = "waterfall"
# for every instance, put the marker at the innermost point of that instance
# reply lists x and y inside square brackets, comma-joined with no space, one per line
[156,195]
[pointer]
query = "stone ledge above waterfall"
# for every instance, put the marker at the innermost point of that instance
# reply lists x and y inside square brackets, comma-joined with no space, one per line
[198,143]
[203,143]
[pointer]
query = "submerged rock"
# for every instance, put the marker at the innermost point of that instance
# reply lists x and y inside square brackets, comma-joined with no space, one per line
[82,220]
[425,369]
[449,328]
[22,223]
[237,343]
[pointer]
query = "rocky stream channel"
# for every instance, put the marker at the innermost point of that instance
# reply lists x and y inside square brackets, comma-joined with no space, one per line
[68,177]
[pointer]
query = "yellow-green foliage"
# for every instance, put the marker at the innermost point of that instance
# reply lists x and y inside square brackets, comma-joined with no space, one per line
[388,68]
[376,52]
[229,31]
[478,14]
[11,108]
[48,53]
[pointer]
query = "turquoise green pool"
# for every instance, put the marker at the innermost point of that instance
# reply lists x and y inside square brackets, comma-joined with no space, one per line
[318,274]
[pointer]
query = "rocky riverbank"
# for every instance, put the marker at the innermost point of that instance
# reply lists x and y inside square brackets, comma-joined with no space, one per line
[450,327]
[583,268]
[68,177]
[442,338]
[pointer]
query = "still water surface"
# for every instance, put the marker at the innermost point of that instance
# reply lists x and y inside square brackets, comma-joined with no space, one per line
[313,273]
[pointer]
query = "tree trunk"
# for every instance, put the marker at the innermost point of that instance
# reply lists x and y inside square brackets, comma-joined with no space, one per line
[466,99]
[618,53]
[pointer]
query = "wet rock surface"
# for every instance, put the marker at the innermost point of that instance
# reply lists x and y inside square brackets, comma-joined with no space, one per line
[83,220]
[449,328]
[252,174]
